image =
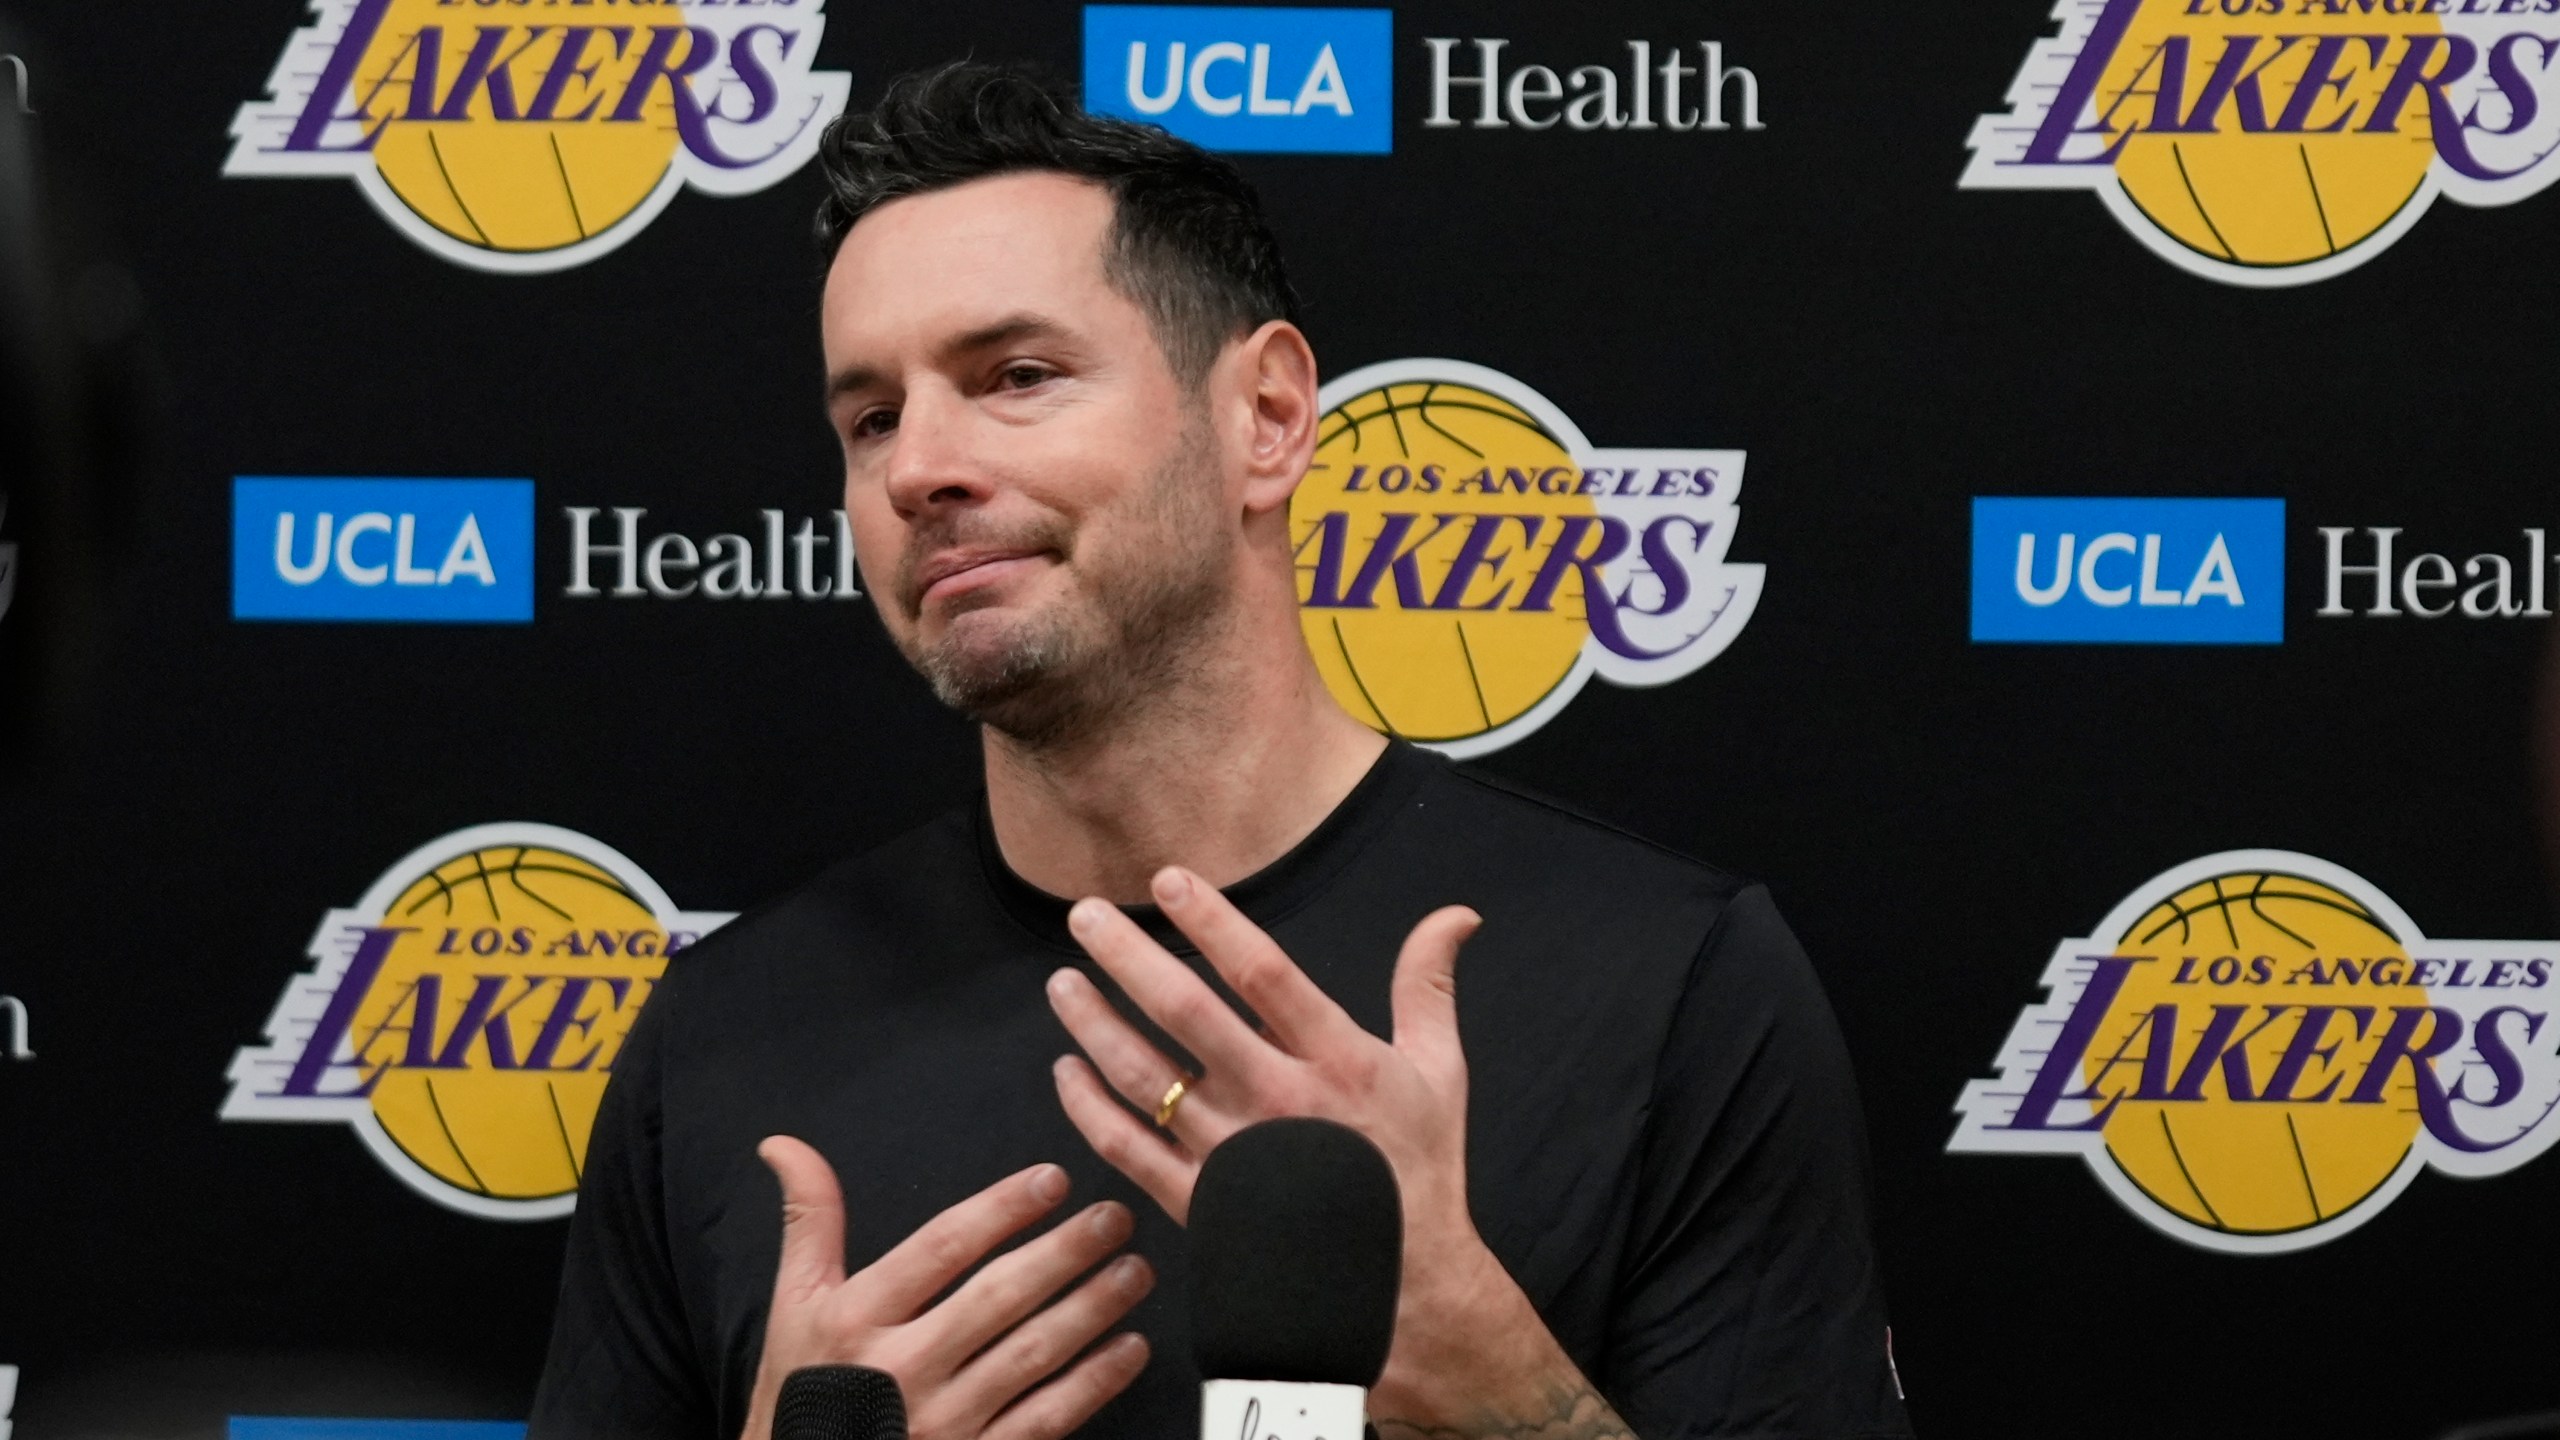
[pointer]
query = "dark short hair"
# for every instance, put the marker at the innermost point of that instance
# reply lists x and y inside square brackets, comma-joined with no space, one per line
[1188,242]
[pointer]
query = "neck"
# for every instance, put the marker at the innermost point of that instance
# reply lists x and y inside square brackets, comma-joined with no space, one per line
[1222,776]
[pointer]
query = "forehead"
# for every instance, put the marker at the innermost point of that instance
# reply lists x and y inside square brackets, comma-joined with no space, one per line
[926,265]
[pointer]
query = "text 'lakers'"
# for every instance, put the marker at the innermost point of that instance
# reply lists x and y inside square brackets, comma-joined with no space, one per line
[1467,561]
[464,1016]
[2257,1051]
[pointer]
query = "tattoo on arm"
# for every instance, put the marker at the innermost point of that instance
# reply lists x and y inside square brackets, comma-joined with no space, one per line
[1574,1412]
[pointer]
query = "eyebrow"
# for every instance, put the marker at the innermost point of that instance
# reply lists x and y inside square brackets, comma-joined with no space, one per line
[1021,325]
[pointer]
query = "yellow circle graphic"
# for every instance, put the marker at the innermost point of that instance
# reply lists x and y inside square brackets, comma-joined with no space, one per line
[559,172]
[2220,953]
[1411,481]
[2249,181]
[489,1031]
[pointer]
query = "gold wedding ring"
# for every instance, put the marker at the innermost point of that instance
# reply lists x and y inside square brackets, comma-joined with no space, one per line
[1171,1102]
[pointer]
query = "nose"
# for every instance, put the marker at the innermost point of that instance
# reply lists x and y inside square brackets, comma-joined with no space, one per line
[930,464]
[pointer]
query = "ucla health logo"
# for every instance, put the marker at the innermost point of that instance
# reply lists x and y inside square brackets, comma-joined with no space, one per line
[1467,561]
[463,1015]
[2257,1051]
[2132,572]
[1246,79]
[417,550]
[520,139]
[2277,142]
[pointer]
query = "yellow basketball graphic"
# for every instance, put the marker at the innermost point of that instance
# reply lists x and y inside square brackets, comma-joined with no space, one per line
[462,1017]
[528,136]
[1405,474]
[2222,952]
[2249,188]
[2257,1051]
[517,184]
[490,1026]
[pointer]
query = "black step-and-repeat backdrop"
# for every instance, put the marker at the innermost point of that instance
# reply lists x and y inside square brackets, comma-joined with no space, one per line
[2122,660]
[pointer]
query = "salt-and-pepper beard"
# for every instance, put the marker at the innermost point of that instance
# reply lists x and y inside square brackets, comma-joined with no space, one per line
[1067,671]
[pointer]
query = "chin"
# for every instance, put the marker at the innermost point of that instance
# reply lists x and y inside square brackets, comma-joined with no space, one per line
[1002,670]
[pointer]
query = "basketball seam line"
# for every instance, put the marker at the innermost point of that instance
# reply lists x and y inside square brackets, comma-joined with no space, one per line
[2180,156]
[436,1103]
[480,872]
[569,191]
[2259,910]
[1475,682]
[2179,916]
[578,1174]
[2303,1162]
[1359,684]
[1424,409]
[597,878]
[1356,424]
[2327,236]
[456,192]
[2188,1175]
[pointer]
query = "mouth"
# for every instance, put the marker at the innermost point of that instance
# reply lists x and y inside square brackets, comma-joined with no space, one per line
[951,574]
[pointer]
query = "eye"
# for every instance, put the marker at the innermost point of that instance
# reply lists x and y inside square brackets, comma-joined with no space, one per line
[1022,376]
[871,424]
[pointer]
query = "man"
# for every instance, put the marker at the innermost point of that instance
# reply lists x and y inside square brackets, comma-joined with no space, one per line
[1073,405]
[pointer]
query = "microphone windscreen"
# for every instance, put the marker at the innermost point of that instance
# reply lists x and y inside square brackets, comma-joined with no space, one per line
[1297,1245]
[840,1402]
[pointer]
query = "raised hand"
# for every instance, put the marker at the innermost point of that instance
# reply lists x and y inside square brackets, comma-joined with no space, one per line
[985,1361]
[1471,1355]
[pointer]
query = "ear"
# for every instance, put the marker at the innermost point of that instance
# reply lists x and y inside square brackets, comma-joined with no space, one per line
[1278,371]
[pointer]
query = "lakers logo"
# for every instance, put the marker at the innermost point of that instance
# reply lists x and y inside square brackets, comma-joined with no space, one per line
[1467,561]
[2275,142]
[464,1016]
[519,139]
[2258,1050]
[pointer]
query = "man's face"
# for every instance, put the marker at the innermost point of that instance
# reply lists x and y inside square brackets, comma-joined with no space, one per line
[1037,501]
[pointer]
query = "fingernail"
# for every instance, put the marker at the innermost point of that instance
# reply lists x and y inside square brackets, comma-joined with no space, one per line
[1131,1347]
[1173,885]
[1086,914]
[1110,1221]
[1049,1184]
[1061,982]
[1129,1272]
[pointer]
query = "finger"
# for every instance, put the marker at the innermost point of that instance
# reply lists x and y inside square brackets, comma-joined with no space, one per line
[1035,1350]
[1134,1067]
[1424,993]
[1126,1143]
[1057,1408]
[1302,1017]
[1010,1287]
[812,1216]
[1168,991]
[897,1285]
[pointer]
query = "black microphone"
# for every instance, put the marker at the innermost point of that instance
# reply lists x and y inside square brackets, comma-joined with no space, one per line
[840,1402]
[1297,1247]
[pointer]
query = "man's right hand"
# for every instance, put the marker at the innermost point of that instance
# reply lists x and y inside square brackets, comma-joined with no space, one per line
[977,1366]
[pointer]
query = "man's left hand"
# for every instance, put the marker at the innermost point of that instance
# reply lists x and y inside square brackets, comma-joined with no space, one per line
[1469,1347]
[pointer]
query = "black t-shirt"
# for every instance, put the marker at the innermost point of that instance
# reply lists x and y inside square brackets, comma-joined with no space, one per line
[1664,1143]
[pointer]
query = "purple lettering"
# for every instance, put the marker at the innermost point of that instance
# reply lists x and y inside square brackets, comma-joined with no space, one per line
[2062,1063]
[319,1052]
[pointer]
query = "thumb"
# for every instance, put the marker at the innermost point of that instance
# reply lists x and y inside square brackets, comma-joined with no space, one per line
[812,1216]
[1424,993]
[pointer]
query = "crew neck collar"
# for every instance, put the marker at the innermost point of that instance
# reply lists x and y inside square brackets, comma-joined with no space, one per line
[1266,895]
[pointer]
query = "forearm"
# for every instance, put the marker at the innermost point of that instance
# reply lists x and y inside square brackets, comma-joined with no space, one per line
[1567,1408]
[1474,1361]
